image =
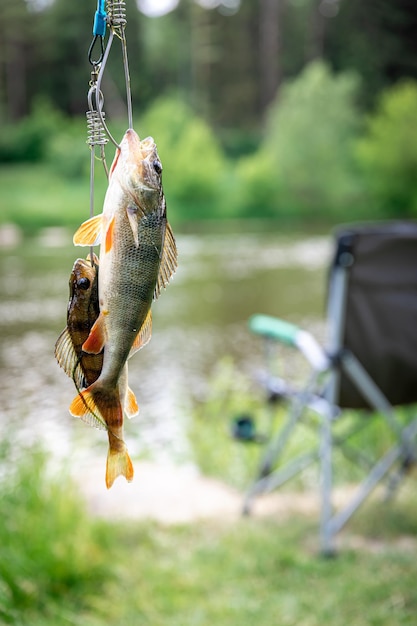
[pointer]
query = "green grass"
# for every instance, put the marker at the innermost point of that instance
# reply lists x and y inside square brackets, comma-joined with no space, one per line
[58,566]
[35,196]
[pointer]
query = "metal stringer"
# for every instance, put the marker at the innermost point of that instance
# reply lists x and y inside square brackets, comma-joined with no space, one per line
[111,13]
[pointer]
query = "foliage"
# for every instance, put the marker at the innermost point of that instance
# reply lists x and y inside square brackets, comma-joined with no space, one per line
[49,548]
[35,196]
[224,59]
[309,135]
[60,567]
[387,153]
[255,571]
[257,186]
[304,166]
[210,430]
[194,162]
[234,572]
[28,140]
[316,162]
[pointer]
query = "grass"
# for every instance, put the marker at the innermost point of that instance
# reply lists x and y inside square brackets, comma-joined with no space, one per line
[35,196]
[58,566]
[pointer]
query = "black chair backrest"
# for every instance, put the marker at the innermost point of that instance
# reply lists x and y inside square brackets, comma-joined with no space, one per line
[381,308]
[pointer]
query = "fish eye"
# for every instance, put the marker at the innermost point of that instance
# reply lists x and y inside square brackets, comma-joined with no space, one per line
[83,283]
[157,166]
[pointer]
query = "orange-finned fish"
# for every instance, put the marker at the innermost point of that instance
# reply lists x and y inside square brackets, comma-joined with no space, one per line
[138,256]
[83,310]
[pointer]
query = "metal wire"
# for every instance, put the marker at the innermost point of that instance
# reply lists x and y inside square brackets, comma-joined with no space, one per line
[116,13]
[98,133]
[96,137]
[99,102]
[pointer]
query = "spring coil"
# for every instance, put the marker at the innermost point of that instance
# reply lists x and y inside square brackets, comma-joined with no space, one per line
[116,13]
[96,134]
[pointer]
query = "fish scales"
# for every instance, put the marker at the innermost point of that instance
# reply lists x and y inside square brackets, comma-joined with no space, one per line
[134,271]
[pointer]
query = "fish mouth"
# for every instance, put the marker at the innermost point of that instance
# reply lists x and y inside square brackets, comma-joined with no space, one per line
[137,163]
[148,147]
[130,147]
[136,151]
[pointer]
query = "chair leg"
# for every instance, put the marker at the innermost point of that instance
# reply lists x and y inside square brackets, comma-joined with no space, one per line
[327,545]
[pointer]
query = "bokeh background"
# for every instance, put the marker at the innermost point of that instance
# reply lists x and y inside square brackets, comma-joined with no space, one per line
[275,121]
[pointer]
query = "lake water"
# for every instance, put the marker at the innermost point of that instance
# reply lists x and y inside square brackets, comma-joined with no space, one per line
[202,316]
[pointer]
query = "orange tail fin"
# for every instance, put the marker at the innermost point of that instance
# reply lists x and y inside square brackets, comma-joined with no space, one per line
[118,464]
[102,408]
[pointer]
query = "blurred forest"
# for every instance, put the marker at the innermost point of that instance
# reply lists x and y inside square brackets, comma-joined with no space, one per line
[272,108]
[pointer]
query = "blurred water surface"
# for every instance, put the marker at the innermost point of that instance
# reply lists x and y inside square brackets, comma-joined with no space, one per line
[202,316]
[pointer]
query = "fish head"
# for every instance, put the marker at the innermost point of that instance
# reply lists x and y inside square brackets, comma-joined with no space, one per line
[139,170]
[83,284]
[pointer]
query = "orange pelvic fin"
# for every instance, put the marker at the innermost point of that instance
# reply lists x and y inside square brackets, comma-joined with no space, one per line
[95,341]
[89,233]
[118,464]
[85,407]
[131,407]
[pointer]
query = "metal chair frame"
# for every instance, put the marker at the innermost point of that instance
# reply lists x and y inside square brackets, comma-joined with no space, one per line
[327,366]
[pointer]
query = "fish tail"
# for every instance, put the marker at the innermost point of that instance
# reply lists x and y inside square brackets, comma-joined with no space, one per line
[118,463]
[118,459]
[101,407]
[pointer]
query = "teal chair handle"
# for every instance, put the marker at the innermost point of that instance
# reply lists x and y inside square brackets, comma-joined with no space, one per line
[274,328]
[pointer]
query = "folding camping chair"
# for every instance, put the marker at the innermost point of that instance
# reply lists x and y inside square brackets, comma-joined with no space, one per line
[369,363]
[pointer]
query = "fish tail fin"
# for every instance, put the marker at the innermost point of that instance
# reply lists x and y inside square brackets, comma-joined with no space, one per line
[102,408]
[118,459]
[118,464]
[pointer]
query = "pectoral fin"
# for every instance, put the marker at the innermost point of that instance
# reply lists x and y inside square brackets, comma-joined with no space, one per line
[89,233]
[134,213]
[97,338]
[168,261]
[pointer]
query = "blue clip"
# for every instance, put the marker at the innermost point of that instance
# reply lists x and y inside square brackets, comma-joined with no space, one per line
[99,27]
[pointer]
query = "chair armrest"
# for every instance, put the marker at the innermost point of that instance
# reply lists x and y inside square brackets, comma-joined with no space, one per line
[291,335]
[274,328]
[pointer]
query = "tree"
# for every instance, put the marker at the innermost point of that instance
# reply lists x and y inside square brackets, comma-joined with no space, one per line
[310,131]
[387,153]
[375,38]
[14,66]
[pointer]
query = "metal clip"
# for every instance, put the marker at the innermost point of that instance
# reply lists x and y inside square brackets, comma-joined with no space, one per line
[91,48]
